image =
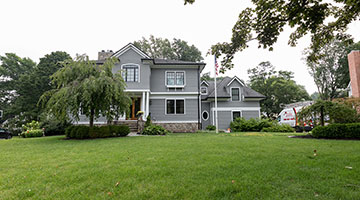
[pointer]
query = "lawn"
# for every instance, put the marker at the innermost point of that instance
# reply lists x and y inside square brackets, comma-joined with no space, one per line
[180,166]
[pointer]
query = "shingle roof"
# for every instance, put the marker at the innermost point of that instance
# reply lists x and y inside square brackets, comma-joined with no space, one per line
[158,61]
[222,92]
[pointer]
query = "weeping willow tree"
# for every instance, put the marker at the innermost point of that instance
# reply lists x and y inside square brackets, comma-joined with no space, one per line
[82,85]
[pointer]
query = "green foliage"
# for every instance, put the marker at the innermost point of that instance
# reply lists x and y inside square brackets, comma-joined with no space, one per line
[323,20]
[83,85]
[278,87]
[148,121]
[31,125]
[32,133]
[240,124]
[53,126]
[286,128]
[155,130]
[163,48]
[119,130]
[81,132]
[331,70]
[336,112]
[337,131]
[211,128]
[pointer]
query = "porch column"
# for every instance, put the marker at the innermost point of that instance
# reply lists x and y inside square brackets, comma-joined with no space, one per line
[147,104]
[143,104]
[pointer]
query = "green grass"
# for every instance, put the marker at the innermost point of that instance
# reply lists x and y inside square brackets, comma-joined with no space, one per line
[180,166]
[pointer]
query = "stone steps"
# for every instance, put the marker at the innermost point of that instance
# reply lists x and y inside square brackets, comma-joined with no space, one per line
[132,124]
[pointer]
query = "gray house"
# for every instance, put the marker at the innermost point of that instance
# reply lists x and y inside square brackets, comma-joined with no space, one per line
[171,93]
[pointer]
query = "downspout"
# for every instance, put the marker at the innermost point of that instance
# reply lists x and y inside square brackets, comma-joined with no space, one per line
[199,126]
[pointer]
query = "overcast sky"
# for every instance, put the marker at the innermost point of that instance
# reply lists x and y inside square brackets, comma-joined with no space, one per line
[38,27]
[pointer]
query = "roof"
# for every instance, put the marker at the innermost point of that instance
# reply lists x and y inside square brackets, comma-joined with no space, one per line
[223,93]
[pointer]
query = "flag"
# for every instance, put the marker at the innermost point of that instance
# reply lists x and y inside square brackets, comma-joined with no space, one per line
[216,66]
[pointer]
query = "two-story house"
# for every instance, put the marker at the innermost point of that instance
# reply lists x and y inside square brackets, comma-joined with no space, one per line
[171,92]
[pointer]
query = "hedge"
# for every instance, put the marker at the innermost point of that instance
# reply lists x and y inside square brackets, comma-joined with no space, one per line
[338,131]
[84,132]
[279,128]
[155,130]
[241,124]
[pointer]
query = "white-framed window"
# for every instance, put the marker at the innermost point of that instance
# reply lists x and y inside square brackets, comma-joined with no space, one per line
[130,72]
[235,114]
[235,94]
[203,90]
[175,78]
[175,106]
[205,115]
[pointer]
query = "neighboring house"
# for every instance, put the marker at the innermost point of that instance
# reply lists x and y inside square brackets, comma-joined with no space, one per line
[169,91]
[234,98]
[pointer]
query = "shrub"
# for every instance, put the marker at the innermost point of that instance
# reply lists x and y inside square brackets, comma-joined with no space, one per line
[53,126]
[32,133]
[68,131]
[148,121]
[155,130]
[337,131]
[211,128]
[81,132]
[119,131]
[278,128]
[240,124]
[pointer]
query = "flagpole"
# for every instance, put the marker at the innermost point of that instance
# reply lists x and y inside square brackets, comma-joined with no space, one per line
[216,111]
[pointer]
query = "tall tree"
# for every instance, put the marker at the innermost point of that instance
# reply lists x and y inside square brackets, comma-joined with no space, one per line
[12,70]
[163,48]
[331,71]
[83,85]
[277,86]
[324,20]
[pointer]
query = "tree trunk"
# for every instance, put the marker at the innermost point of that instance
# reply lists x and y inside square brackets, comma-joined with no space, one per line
[322,115]
[92,112]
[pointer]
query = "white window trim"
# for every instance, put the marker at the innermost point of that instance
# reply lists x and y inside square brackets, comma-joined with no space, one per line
[205,92]
[138,66]
[232,115]
[239,93]
[175,86]
[202,115]
[175,105]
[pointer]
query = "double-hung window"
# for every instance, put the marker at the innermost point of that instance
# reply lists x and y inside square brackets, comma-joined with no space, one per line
[235,94]
[175,106]
[175,78]
[131,73]
[203,90]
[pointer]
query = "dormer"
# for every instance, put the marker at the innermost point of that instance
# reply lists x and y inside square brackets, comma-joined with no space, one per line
[234,87]
[204,88]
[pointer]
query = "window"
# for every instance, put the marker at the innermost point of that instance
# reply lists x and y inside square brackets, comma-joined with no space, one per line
[236,114]
[235,94]
[131,73]
[175,78]
[205,115]
[175,106]
[203,90]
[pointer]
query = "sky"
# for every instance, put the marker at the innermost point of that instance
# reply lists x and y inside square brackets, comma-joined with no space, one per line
[38,27]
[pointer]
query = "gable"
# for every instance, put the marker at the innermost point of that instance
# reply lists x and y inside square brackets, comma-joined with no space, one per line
[131,47]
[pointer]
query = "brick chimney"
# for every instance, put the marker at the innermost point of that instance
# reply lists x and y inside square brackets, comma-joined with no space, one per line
[102,55]
[354,69]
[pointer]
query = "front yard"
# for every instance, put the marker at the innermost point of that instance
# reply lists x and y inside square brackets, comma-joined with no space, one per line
[180,166]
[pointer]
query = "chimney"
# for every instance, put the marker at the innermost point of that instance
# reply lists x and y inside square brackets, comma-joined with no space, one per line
[354,70]
[103,55]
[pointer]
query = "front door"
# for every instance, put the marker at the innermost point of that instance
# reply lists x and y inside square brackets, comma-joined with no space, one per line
[134,108]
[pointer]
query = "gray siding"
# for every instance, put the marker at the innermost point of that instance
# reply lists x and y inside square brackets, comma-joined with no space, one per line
[250,114]
[157,81]
[224,119]
[157,110]
[237,104]
[206,106]
[131,56]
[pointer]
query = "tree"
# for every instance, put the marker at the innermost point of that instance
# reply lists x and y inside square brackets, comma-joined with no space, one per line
[82,85]
[331,71]
[277,86]
[324,20]
[12,70]
[163,48]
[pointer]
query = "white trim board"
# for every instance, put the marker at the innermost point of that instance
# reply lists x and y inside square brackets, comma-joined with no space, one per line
[175,97]
[237,108]
[136,90]
[133,47]
[172,93]
[175,122]
[237,79]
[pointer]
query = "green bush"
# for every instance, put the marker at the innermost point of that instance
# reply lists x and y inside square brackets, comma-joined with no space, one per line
[32,133]
[278,128]
[211,128]
[148,121]
[119,131]
[155,130]
[254,124]
[81,132]
[53,126]
[337,131]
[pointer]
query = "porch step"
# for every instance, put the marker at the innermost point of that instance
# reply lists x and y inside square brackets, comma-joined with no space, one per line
[132,124]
